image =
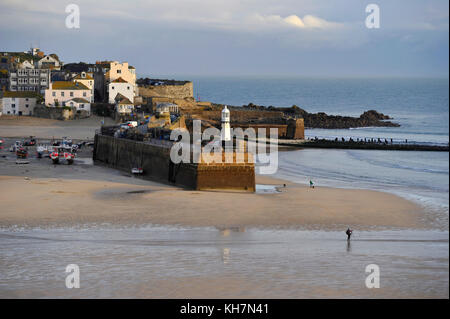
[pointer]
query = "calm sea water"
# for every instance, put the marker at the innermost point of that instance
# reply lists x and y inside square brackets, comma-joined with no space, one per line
[420,106]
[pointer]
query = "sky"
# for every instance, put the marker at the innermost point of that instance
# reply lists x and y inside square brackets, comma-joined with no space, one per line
[323,38]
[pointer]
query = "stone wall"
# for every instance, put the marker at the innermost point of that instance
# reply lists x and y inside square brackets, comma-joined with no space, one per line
[296,129]
[59,113]
[155,161]
[282,128]
[242,116]
[179,91]
[233,176]
[287,128]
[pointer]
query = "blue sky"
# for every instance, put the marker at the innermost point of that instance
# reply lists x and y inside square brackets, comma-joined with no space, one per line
[239,37]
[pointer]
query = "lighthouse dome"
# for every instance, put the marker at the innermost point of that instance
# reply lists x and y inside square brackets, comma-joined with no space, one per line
[225,110]
[225,114]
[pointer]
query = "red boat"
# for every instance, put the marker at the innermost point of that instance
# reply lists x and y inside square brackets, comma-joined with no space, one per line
[62,154]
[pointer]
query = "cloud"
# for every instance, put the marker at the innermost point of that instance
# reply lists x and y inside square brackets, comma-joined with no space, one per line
[277,22]
[295,21]
[315,22]
[310,22]
[217,14]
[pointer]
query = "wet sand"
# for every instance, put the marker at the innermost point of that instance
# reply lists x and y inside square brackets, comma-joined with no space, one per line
[207,262]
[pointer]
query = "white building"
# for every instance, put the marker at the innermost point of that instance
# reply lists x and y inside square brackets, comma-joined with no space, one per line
[18,103]
[48,62]
[87,79]
[61,92]
[79,104]
[35,80]
[167,108]
[26,65]
[124,105]
[120,86]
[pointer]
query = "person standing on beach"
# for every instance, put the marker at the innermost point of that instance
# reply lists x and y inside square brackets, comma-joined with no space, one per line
[311,184]
[349,233]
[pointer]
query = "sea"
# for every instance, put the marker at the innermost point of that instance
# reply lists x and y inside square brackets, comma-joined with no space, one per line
[157,261]
[419,105]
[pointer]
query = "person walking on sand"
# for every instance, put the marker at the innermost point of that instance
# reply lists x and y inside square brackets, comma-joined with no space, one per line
[311,184]
[349,233]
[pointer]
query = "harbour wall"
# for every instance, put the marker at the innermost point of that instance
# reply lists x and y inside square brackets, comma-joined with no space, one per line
[125,154]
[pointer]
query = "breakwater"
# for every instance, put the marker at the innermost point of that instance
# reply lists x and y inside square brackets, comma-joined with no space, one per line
[153,157]
[364,145]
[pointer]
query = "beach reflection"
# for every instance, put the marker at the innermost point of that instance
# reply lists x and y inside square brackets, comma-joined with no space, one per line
[226,255]
[159,261]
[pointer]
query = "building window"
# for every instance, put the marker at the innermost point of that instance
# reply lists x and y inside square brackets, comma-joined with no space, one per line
[119,71]
[112,88]
[13,105]
[71,93]
[53,93]
[62,93]
[84,93]
[128,87]
[26,105]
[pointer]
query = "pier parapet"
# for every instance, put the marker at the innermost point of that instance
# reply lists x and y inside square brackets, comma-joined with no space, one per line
[154,159]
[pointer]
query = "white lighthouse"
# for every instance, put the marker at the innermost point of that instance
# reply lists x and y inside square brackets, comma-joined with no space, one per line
[226,130]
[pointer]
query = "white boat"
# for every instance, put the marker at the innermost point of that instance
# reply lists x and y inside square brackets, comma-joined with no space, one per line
[43,151]
[15,146]
[136,170]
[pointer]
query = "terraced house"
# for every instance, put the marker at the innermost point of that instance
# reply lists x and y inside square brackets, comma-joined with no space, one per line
[19,103]
[60,92]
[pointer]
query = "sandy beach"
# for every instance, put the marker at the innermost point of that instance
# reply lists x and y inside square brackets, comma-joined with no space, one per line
[40,194]
[42,201]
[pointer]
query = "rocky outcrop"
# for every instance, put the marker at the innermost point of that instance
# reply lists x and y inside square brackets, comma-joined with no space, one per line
[323,120]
